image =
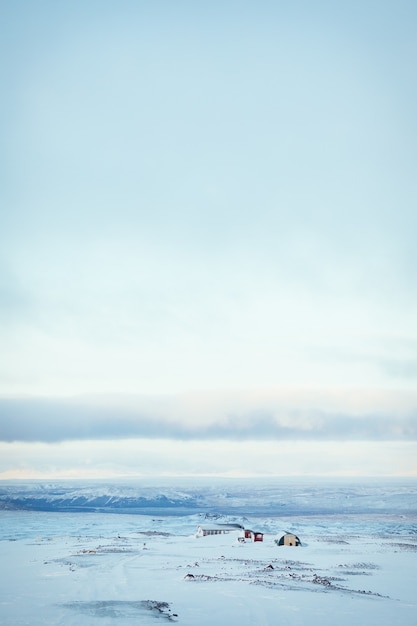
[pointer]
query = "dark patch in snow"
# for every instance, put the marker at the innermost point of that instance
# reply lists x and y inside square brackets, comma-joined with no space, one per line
[412,547]
[360,566]
[120,609]
[283,574]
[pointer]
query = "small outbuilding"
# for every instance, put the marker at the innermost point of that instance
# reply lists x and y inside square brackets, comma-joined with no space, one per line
[252,535]
[289,540]
[258,536]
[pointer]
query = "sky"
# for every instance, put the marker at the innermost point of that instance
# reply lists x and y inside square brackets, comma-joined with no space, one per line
[207,238]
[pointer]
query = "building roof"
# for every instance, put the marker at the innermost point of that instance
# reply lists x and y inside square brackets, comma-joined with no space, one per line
[222,526]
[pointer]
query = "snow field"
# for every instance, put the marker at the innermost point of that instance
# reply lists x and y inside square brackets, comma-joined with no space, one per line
[120,570]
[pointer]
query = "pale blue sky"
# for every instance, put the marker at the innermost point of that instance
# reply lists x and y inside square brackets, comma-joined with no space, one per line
[208,217]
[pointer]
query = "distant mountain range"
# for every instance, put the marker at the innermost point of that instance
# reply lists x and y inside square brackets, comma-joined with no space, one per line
[280,497]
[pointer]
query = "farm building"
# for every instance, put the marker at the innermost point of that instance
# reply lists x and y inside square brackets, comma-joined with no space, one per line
[288,540]
[257,536]
[252,535]
[218,529]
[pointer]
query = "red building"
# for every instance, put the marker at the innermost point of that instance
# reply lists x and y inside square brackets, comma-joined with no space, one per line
[250,534]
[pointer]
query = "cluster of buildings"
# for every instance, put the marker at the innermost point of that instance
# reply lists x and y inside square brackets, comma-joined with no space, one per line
[224,529]
[245,534]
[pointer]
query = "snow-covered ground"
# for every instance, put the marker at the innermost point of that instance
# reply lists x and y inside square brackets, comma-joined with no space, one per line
[79,568]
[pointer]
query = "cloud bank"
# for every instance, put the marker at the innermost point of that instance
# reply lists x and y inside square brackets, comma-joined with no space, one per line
[304,415]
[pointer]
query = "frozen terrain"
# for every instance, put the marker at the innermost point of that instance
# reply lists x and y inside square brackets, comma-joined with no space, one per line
[67,558]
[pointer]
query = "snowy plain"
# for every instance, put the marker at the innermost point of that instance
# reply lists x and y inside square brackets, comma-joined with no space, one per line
[124,553]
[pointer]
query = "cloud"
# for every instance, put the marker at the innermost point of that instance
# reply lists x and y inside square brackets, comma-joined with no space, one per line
[278,415]
[404,368]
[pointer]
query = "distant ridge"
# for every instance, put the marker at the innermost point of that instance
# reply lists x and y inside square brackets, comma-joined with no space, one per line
[281,498]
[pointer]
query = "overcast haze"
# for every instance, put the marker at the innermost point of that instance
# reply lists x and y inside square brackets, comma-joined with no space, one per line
[208,237]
